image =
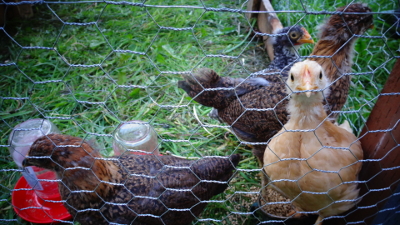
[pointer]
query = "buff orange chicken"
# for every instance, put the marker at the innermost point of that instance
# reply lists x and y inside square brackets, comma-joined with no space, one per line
[312,161]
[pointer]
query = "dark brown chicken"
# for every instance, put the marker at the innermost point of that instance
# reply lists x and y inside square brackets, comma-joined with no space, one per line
[130,189]
[256,107]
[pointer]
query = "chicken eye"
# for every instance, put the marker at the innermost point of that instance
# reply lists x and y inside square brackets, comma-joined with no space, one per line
[320,75]
[294,35]
[291,77]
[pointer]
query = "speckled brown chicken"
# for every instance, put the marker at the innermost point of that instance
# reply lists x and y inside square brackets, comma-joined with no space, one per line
[256,107]
[286,42]
[130,189]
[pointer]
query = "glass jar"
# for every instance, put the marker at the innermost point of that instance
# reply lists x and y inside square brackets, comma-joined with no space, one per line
[136,137]
[24,134]
[20,141]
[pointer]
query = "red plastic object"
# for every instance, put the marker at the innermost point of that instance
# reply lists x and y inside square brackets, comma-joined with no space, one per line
[32,205]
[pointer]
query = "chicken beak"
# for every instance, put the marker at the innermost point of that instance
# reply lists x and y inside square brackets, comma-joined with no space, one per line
[306,82]
[306,86]
[306,38]
[308,94]
[25,163]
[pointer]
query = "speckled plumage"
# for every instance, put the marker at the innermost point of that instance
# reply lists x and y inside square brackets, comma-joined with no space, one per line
[337,41]
[227,103]
[138,189]
[286,45]
[257,110]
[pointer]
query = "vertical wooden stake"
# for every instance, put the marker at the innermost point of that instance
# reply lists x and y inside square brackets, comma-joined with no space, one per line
[267,22]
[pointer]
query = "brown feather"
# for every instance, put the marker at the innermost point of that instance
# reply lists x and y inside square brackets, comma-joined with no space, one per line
[256,109]
[129,189]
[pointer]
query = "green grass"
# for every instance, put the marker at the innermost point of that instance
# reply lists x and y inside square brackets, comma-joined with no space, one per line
[134,61]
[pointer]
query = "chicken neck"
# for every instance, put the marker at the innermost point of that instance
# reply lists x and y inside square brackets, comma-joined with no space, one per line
[283,56]
[306,112]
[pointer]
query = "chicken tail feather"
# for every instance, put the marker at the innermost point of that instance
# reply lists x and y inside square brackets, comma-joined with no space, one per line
[206,87]
[215,173]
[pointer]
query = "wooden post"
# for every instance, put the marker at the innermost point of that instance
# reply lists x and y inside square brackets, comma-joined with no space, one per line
[267,22]
[24,11]
[380,140]
[252,5]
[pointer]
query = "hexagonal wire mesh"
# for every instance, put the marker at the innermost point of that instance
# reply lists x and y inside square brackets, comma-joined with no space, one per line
[90,66]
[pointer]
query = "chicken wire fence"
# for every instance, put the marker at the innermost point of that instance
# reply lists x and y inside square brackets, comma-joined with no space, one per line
[89,66]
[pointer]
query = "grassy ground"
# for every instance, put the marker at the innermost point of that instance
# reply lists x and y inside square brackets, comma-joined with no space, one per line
[89,66]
